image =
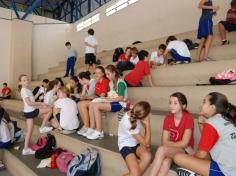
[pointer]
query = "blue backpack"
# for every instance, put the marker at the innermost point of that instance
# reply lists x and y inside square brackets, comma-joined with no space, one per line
[86,164]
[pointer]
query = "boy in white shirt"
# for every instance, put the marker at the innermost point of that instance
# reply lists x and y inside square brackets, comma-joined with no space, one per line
[71,60]
[157,57]
[178,50]
[90,50]
[67,108]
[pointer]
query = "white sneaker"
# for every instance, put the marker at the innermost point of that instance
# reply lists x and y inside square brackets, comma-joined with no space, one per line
[89,132]
[1,165]
[82,131]
[68,131]
[45,129]
[28,151]
[96,135]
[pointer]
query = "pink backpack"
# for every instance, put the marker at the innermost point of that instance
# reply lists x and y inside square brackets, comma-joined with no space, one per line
[40,144]
[63,161]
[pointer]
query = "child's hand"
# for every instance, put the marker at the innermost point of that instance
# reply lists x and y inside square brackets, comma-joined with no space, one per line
[216,8]
[147,120]
[201,119]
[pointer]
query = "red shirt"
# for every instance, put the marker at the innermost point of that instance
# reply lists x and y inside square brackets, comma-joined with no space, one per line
[177,132]
[101,87]
[123,58]
[231,16]
[136,75]
[6,91]
[207,141]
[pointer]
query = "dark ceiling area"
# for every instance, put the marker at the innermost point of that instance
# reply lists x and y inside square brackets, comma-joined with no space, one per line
[63,10]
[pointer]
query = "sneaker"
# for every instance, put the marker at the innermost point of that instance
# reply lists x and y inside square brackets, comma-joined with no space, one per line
[45,129]
[28,151]
[186,62]
[225,42]
[96,135]
[89,132]
[82,131]
[178,62]
[68,131]
[1,165]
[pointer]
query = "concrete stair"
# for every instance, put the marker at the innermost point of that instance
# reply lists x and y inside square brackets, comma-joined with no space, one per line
[107,148]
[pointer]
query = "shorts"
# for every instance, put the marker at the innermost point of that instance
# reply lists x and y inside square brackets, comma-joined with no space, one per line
[115,106]
[90,59]
[205,28]
[31,115]
[215,169]
[228,26]
[179,58]
[125,151]
[130,85]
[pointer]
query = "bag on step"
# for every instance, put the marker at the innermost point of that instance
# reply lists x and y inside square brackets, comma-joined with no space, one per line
[40,144]
[225,77]
[47,150]
[190,44]
[86,164]
[63,161]
[117,53]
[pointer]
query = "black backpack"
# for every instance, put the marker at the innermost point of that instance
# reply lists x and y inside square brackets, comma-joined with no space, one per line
[190,44]
[47,150]
[117,53]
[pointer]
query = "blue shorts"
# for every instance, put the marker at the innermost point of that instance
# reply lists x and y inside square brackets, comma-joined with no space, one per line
[178,57]
[125,151]
[215,169]
[115,107]
[228,26]
[205,28]
[31,115]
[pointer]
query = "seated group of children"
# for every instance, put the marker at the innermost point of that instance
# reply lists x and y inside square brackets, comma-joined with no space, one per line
[177,49]
[107,92]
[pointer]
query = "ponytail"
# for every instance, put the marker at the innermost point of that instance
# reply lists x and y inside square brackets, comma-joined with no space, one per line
[223,107]
[231,114]
[140,111]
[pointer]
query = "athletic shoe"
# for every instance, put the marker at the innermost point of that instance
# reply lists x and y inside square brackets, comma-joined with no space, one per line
[225,42]
[45,129]
[1,166]
[68,131]
[96,135]
[82,131]
[185,172]
[89,132]
[28,151]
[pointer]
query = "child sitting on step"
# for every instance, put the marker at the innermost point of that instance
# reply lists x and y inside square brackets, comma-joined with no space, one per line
[177,137]
[135,77]
[157,57]
[133,146]
[65,110]
[32,110]
[9,132]
[217,121]
[114,102]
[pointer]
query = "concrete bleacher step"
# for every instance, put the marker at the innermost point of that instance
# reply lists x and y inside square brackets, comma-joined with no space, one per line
[79,63]
[19,165]
[188,74]
[107,148]
[158,97]
[153,44]
[218,53]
